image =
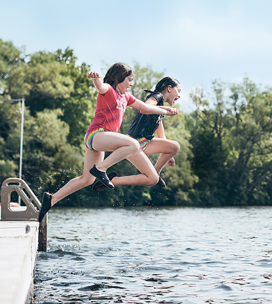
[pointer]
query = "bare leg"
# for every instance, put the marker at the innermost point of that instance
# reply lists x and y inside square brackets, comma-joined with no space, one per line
[121,145]
[167,148]
[148,177]
[91,158]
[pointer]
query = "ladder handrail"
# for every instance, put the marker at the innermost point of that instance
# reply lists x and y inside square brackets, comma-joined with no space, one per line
[31,213]
[23,185]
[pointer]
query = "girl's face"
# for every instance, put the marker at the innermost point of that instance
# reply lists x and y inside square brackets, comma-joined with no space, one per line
[127,83]
[173,94]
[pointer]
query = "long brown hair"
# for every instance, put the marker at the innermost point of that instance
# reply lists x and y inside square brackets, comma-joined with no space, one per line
[117,74]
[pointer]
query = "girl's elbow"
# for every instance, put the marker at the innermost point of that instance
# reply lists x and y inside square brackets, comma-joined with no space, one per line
[144,112]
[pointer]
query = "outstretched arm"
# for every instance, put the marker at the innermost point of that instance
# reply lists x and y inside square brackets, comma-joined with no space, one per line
[146,108]
[101,87]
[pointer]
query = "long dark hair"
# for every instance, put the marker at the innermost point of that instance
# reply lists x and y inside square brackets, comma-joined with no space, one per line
[117,74]
[164,83]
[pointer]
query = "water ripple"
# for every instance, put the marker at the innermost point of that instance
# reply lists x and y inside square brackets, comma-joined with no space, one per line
[173,255]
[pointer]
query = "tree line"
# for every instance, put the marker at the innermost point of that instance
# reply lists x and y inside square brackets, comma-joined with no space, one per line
[225,142]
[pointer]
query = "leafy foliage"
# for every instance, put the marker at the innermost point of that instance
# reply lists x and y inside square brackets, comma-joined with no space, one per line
[232,145]
[60,104]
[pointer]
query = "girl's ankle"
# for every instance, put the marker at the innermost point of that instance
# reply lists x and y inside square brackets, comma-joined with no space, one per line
[101,169]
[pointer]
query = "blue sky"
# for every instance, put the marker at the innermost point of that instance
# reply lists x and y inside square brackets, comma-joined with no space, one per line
[195,41]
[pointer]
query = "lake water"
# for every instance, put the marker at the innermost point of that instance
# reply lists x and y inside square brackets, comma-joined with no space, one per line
[177,255]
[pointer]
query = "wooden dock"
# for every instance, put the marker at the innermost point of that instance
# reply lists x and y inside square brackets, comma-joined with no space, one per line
[18,249]
[21,237]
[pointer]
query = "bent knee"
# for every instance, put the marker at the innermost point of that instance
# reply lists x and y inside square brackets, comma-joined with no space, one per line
[175,147]
[153,180]
[87,180]
[135,146]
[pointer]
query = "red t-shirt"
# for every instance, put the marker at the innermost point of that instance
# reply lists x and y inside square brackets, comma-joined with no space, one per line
[110,109]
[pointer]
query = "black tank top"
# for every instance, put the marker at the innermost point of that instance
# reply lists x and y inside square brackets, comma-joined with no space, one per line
[145,125]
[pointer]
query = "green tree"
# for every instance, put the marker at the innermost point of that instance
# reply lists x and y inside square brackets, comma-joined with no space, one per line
[9,118]
[79,107]
[233,152]
[51,84]
[60,104]
[10,59]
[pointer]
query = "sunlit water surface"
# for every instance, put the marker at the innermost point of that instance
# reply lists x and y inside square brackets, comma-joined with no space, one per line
[178,255]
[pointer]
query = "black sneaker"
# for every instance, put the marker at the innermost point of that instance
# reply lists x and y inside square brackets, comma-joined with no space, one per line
[46,205]
[98,185]
[161,182]
[102,176]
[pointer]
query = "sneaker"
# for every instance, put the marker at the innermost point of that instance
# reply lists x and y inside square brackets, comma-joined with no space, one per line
[161,182]
[46,205]
[98,185]
[102,177]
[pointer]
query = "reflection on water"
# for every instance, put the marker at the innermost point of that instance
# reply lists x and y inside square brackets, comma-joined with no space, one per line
[178,255]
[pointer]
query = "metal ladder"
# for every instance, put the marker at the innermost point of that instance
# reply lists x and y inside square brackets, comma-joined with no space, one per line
[32,207]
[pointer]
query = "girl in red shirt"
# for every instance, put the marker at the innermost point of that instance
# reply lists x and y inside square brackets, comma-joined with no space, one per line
[102,135]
